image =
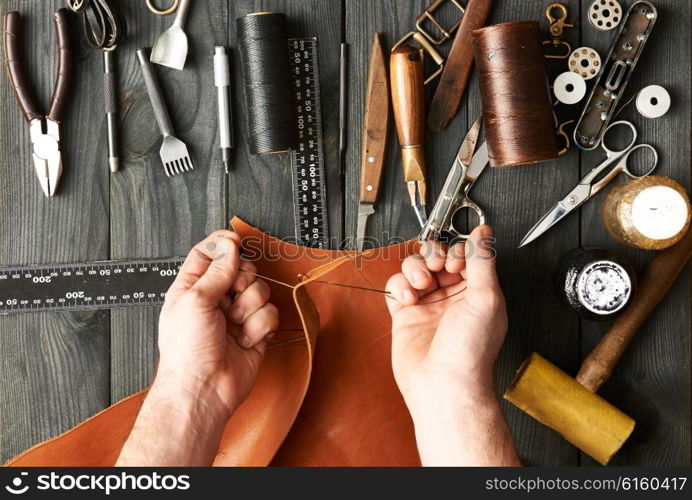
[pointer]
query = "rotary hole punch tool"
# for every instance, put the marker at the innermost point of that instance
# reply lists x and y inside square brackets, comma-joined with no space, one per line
[465,170]
[44,129]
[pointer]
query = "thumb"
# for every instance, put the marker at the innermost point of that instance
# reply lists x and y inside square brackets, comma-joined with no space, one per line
[480,258]
[221,273]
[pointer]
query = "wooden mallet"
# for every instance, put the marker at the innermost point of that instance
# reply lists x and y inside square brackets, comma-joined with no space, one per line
[571,406]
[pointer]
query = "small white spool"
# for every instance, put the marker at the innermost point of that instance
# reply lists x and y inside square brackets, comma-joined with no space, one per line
[653,101]
[585,61]
[605,15]
[569,88]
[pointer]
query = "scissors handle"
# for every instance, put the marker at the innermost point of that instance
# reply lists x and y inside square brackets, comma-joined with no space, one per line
[623,161]
[466,203]
[613,154]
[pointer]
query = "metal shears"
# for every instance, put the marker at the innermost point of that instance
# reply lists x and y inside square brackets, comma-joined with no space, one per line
[594,181]
[467,167]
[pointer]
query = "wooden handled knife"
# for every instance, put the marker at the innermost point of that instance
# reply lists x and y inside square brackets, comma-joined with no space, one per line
[375,125]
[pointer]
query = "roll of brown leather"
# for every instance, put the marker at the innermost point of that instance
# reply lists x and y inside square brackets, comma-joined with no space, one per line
[517,112]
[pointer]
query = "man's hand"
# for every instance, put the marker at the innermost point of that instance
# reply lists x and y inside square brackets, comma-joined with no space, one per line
[212,337]
[448,324]
[207,338]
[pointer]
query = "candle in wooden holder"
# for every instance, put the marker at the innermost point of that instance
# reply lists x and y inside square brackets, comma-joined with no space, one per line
[652,212]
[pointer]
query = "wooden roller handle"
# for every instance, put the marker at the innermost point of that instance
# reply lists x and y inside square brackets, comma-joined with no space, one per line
[659,276]
[406,77]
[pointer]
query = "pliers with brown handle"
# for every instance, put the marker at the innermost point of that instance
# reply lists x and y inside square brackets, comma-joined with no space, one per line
[44,129]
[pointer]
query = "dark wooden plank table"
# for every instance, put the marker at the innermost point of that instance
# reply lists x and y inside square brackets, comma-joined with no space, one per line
[60,368]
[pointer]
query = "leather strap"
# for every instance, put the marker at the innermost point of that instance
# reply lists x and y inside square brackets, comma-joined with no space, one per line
[63,79]
[103,24]
[455,75]
[15,68]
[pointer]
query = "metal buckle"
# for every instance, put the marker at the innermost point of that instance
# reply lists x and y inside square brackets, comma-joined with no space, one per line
[426,40]
[557,24]
[426,47]
[428,14]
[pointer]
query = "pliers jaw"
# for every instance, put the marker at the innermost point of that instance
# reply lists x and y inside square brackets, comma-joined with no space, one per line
[45,138]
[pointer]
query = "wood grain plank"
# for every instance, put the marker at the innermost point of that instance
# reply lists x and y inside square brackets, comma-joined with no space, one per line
[260,185]
[515,198]
[152,215]
[652,381]
[54,365]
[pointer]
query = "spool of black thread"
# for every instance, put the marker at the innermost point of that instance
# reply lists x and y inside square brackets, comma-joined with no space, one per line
[269,101]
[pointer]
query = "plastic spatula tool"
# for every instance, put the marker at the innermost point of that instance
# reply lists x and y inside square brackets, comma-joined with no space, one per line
[170,48]
[174,155]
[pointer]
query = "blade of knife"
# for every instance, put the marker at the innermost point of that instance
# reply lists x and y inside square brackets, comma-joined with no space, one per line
[375,125]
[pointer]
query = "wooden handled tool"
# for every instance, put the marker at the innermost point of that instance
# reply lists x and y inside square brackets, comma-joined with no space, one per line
[408,102]
[570,406]
[447,97]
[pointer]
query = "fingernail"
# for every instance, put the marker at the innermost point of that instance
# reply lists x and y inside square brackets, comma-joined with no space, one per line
[237,313]
[486,231]
[407,295]
[420,276]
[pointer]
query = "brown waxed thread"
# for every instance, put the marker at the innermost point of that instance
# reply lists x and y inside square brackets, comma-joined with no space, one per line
[517,111]
[387,293]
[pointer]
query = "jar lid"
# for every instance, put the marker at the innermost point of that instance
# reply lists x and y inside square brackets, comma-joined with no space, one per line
[603,287]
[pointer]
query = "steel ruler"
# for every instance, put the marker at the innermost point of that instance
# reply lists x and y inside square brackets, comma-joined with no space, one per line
[93,285]
[307,160]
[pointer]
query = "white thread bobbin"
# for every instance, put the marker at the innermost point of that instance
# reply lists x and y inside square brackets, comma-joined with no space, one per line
[585,61]
[653,101]
[605,15]
[569,88]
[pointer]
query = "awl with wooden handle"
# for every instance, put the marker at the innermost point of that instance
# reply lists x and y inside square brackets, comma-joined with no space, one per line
[570,406]
[375,125]
[406,76]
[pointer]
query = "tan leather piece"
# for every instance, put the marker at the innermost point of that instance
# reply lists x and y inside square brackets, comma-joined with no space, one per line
[338,407]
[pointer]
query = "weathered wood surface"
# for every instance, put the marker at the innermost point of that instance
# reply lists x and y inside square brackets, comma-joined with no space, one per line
[58,369]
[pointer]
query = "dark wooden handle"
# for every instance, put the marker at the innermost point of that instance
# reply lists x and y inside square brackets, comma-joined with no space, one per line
[15,68]
[406,76]
[455,74]
[375,124]
[659,276]
[63,80]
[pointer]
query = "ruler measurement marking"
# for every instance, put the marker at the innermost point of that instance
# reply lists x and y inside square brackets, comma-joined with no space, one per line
[307,161]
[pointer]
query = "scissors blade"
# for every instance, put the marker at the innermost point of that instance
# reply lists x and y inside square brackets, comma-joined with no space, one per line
[468,145]
[561,210]
[478,162]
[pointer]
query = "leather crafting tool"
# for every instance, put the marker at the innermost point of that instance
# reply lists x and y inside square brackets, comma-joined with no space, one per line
[612,80]
[105,28]
[428,38]
[571,406]
[455,75]
[170,48]
[593,182]
[465,170]
[44,129]
[173,152]
[374,137]
[222,82]
[408,101]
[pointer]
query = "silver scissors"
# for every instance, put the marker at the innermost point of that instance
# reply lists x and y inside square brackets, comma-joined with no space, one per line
[467,167]
[589,185]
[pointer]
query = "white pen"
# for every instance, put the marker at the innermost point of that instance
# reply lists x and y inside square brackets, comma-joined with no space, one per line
[222,81]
